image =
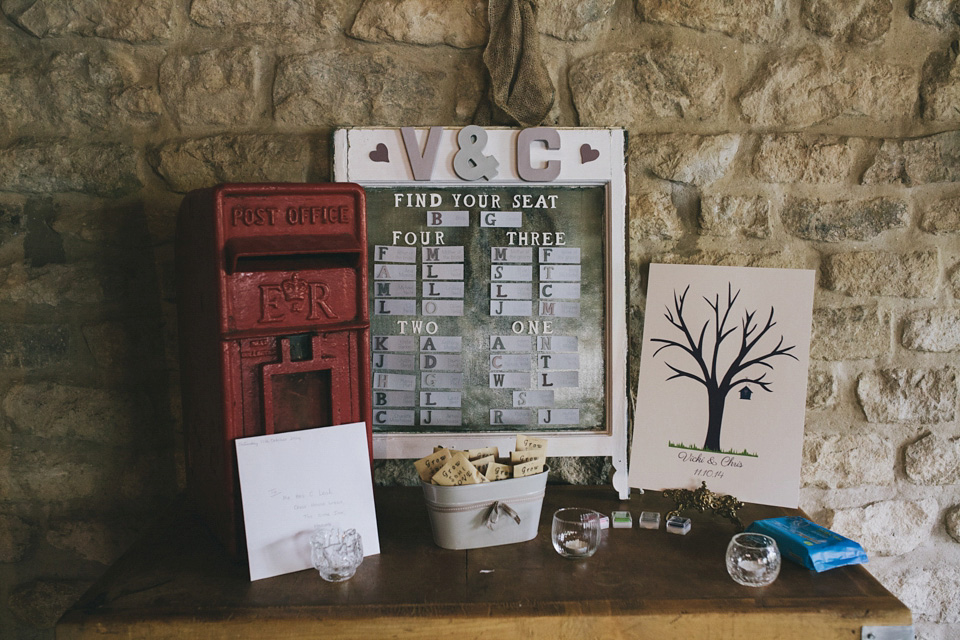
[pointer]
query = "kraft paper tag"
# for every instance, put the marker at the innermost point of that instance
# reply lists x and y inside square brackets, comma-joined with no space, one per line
[441,448]
[481,463]
[473,454]
[529,443]
[458,471]
[517,457]
[497,471]
[429,465]
[531,468]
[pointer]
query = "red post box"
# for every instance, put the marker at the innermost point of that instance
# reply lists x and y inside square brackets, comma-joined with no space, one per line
[274,327]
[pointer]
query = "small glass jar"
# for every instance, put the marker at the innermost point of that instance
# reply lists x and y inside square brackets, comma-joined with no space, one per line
[335,553]
[576,532]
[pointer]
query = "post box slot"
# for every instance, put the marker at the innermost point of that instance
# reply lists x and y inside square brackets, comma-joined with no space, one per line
[277,253]
[294,262]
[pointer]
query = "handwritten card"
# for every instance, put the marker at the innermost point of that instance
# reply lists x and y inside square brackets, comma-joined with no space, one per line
[291,482]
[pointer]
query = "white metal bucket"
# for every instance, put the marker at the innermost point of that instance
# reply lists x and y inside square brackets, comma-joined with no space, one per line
[485,515]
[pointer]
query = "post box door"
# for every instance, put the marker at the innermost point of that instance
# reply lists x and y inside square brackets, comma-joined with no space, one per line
[317,391]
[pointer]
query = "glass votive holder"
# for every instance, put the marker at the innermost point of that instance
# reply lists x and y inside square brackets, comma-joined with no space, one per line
[576,532]
[336,553]
[753,559]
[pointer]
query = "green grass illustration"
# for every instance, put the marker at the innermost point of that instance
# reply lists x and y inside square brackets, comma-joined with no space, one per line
[690,447]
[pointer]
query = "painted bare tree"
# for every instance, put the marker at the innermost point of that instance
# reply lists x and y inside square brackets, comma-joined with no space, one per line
[705,368]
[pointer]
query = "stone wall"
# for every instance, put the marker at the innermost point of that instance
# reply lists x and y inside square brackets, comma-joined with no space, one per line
[820,134]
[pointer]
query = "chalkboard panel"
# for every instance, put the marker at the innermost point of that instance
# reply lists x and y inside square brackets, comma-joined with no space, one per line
[496,286]
[505,312]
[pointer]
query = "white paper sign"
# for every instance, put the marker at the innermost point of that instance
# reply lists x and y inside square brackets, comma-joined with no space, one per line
[732,416]
[291,482]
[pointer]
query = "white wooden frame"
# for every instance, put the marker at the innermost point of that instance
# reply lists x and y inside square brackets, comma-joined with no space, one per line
[352,163]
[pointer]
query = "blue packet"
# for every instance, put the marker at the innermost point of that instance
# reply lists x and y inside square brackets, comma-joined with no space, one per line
[809,544]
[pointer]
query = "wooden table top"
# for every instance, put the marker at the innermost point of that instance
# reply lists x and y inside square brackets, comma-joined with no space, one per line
[177,582]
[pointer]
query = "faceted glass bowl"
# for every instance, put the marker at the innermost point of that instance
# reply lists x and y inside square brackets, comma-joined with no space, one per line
[753,559]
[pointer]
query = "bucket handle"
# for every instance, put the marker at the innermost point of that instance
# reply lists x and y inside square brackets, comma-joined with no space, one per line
[493,515]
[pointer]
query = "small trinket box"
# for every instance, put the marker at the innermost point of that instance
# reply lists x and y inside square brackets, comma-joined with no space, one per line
[678,525]
[604,522]
[622,520]
[649,520]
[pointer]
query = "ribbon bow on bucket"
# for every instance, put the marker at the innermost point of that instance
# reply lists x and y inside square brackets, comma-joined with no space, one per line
[493,515]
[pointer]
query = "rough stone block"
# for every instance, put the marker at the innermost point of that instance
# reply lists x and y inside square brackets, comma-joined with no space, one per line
[889,528]
[940,87]
[13,232]
[813,86]
[372,87]
[730,215]
[15,535]
[60,477]
[850,333]
[935,330]
[99,541]
[115,19]
[214,87]
[941,13]
[458,23]
[882,273]
[915,162]
[652,213]
[787,259]
[822,389]
[88,227]
[954,281]
[62,413]
[942,217]
[836,221]
[402,473]
[933,461]
[631,88]
[841,461]
[908,395]
[56,284]
[108,170]
[855,22]
[10,41]
[573,20]
[585,470]
[193,164]
[952,522]
[929,592]
[33,346]
[40,603]
[748,20]
[78,91]
[697,160]
[292,20]
[793,157]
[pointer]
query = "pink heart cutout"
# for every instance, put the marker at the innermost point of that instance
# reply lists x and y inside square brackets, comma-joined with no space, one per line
[380,154]
[588,154]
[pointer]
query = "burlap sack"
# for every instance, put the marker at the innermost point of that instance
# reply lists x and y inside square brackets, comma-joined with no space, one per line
[520,87]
